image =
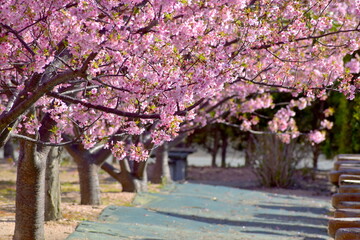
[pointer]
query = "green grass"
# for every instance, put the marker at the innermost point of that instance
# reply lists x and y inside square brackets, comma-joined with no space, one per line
[110,188]
[7,182]
[70,187]
[7,191]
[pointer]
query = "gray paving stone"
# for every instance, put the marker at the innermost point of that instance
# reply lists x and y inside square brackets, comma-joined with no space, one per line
[195,211]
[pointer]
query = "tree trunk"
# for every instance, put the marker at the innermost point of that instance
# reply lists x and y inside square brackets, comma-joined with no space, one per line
[30,185]
[89,183]
[215,149]
[140,176]
[223,150]
[125,177]
[30,189]
[133,178]
[249,150]
[316,154]
[161,173]
[88,174]
[52,185]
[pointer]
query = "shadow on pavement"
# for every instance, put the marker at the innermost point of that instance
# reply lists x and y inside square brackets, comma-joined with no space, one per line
[300,219]
[302,209]
[196,211]
[273,226]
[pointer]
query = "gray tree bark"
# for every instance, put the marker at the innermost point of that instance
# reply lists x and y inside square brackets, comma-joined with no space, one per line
[129,180]
[88,174]
[316,154]
[224,146]
[52,185]
[215,149]
[249,150]
[30,186]
[30,189]
[161,172]
[132,176]
[140,176]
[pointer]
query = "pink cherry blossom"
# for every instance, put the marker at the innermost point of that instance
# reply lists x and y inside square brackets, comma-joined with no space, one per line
[316,136]
[136,64]
[326,124]
[353,65]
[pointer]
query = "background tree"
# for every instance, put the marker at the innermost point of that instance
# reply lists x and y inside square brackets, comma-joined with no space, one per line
[343,138]
[345,115]
[215,137]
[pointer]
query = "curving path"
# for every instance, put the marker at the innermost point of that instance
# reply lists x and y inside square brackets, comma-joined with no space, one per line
[196,211]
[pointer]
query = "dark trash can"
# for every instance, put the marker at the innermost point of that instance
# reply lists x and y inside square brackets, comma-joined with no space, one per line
[178,162]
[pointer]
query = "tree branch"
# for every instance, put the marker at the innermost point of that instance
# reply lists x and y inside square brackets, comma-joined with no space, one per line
[18,136]
[220,103]
[117,112]
[28,100]
[16,34]
[103,108]
[183,112]
[305,38]
[280,86]
[265,46]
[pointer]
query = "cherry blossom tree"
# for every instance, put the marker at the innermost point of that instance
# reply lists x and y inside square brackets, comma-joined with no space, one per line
[87,68]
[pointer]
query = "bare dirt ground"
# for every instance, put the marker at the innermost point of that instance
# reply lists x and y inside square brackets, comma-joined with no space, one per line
[73,213]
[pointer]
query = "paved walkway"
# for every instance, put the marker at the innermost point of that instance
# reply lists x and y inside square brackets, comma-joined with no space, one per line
[195,211]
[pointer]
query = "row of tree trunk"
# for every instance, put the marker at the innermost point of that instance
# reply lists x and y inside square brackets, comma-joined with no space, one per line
[38,185]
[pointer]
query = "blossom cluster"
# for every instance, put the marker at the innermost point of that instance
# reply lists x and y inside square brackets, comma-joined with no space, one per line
[138,66]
